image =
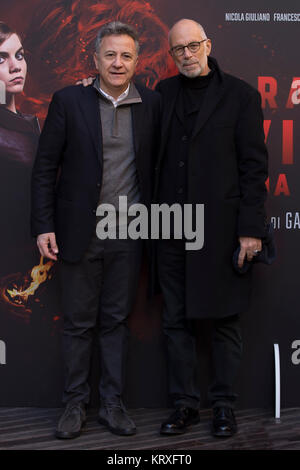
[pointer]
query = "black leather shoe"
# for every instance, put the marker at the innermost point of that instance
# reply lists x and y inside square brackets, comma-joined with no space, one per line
[178,422]
[223,424]
[71,422]
[116,419]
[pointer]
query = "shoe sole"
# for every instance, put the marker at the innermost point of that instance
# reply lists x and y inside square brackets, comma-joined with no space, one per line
[179,431]
[69,435]
[118,432]
[224,433]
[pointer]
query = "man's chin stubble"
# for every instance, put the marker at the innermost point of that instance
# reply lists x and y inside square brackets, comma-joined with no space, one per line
[194,74]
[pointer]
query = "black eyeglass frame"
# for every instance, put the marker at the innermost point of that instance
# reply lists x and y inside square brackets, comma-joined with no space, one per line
[181,49]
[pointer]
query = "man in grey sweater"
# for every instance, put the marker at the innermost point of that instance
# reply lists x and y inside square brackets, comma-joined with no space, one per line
[98,143]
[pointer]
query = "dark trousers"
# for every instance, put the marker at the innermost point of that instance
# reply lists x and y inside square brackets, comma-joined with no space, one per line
[181,341]
[97,295]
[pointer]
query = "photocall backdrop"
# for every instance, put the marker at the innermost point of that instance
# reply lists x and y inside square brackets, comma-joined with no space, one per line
[255,41]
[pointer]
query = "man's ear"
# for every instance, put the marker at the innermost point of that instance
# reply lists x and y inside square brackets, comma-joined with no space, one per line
[208,46]
[95,60]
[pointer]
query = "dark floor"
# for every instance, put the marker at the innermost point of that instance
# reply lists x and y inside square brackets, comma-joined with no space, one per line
[32,428]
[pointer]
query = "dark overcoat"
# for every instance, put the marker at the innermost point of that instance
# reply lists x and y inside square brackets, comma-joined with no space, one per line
[227,170]
[67,173]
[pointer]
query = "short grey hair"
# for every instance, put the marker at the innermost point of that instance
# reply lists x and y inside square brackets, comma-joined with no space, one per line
[117,28]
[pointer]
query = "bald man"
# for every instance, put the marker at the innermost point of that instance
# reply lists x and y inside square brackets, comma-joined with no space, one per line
[212,153]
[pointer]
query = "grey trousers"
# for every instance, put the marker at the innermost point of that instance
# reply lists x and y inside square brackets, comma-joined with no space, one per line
[97,295]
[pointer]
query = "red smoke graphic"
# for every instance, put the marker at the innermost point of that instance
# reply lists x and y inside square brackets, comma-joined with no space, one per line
[60,44]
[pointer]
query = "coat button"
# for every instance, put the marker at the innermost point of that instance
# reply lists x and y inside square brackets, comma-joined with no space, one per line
[184,138]
[98,185]
[94,211]
[180,191]
[181,164]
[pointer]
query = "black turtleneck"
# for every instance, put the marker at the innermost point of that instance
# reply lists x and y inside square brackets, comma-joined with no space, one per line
[191,98]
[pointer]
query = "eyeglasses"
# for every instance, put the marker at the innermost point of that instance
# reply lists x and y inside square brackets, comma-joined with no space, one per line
[192,47]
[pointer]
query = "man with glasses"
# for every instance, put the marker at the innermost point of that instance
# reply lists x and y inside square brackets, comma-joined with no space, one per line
[213,153]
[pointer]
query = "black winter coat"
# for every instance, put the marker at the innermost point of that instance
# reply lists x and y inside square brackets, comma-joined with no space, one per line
[227,170]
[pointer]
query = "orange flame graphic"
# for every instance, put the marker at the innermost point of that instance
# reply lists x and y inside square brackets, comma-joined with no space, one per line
[17,289]
[39,275]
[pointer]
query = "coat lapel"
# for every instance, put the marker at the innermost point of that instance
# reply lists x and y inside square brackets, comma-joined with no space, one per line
[169,103]
[137,125]
[91,114]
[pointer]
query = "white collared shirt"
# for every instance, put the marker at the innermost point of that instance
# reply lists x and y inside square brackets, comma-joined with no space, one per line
[120,98]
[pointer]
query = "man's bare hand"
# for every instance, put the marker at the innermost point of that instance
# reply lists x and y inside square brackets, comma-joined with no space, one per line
[46,243]
[248,247]
[85,81]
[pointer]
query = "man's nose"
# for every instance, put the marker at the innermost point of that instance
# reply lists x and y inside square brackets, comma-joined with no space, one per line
[118,61]
[187,53]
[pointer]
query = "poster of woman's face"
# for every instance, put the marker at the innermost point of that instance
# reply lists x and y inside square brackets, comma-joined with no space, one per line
[13,67]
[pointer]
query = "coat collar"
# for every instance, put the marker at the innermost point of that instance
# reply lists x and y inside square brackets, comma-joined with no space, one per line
[19,122]
[212,97]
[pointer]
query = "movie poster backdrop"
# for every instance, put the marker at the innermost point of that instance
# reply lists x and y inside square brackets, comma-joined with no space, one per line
[254,41]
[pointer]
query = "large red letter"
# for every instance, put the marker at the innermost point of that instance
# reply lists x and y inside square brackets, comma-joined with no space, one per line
[294,96]
[267,124]
[267,95]
[287,143]
[282,186]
